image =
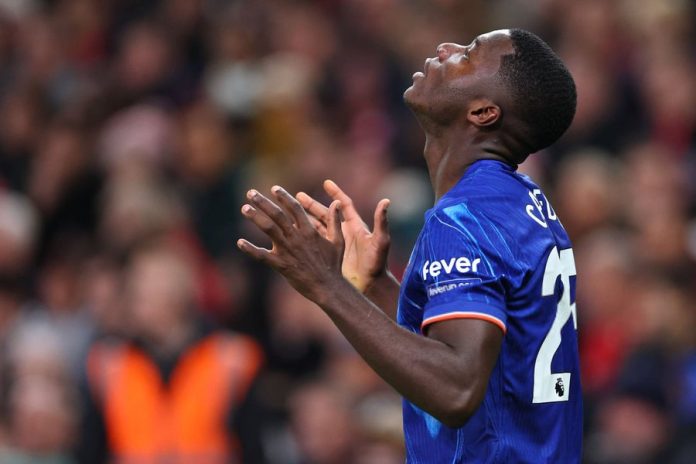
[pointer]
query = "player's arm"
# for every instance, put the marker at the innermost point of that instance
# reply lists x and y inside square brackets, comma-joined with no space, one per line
[445,374]
[366,252]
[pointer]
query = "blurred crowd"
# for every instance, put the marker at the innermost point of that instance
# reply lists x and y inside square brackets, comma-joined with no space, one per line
[130,130]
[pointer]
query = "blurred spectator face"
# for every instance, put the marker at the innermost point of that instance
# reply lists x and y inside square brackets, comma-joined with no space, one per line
[61,286]
[593,24]
[205,144]
[136,207]
[18,230]
[103,298]
[603,261]
[630,431]
[380,453]
[42,49]
[586,193]
[295,319]
[658,24]
[183,15]
[596,91]
[10,305]
[144,57]
[655,184]
[42,418]
[138,134]
[370,18]
[669,91]
[318,154]
[60,159]
[234,35]
[322,425]
[304,31]
[380,421]
[352,373]
[19,121]
[37,350]
[81,24]
[663,314]
[669,87]
[362,79]
[161,291]
[662,241]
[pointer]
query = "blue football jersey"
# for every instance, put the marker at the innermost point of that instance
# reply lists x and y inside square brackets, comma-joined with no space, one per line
[493,249]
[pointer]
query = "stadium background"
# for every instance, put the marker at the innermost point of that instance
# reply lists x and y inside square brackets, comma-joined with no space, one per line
[125,121]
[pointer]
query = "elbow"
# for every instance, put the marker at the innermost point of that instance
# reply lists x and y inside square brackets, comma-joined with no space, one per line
[459,409]
[456,419]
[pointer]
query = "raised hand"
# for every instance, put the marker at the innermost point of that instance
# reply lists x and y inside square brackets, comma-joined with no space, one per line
[366,252]
[308,260]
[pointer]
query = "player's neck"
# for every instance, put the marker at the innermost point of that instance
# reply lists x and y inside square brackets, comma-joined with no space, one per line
[450,151]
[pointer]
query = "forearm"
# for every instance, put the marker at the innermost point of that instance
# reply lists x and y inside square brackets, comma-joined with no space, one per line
[427,372]
[384,293]
[445,379]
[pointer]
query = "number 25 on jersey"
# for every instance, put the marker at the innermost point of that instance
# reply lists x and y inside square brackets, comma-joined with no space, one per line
[555,386]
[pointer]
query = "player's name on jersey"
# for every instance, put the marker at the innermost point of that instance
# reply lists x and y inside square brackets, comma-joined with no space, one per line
[536,209]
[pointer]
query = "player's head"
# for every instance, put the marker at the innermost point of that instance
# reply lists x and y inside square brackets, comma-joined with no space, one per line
[507,83]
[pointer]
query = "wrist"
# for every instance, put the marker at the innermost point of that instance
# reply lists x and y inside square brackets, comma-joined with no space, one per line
[377,283]
[330,288]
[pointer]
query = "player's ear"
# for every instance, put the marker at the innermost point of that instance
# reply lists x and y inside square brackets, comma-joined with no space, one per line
[483,112]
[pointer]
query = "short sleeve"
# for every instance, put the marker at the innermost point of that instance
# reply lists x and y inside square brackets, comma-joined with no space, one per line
[466,268]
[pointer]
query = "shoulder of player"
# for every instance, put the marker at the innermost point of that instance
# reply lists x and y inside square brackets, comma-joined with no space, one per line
[488,205]
[501,215]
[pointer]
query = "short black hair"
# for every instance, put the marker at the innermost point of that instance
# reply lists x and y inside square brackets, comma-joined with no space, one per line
[542,89]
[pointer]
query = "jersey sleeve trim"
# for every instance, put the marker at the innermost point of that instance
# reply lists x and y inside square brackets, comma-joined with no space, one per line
[464,315]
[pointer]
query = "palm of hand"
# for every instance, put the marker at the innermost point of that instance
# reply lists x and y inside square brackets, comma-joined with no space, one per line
[365,253]
[364,256]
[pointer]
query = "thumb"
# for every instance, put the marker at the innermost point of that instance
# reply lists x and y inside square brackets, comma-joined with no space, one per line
[381,229]
[333,228]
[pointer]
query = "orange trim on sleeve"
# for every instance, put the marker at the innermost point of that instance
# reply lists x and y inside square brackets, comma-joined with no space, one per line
[465,315]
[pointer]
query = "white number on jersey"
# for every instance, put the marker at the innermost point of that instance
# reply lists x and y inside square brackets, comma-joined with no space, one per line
[555,386]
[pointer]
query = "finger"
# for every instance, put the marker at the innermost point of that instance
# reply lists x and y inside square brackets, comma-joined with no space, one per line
[318,226]
[263,222]
[260,254]
[270,209]
[334,232]
[313,207]
[381,224]
[291,206]
[347,208]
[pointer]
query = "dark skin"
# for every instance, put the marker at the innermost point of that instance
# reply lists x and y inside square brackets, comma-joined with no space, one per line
[341,265]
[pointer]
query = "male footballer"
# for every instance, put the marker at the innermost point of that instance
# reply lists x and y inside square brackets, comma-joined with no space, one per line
[480,335]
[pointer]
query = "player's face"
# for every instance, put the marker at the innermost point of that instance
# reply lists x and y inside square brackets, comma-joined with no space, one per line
[458,73]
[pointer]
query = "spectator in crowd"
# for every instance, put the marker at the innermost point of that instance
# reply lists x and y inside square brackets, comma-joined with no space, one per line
[177,390]
[42,410]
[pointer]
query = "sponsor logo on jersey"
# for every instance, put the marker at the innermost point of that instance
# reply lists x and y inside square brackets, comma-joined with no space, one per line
[439,288]
[447,266]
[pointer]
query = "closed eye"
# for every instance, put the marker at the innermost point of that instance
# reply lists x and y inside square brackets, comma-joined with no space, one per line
[465,53]
[471,47]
